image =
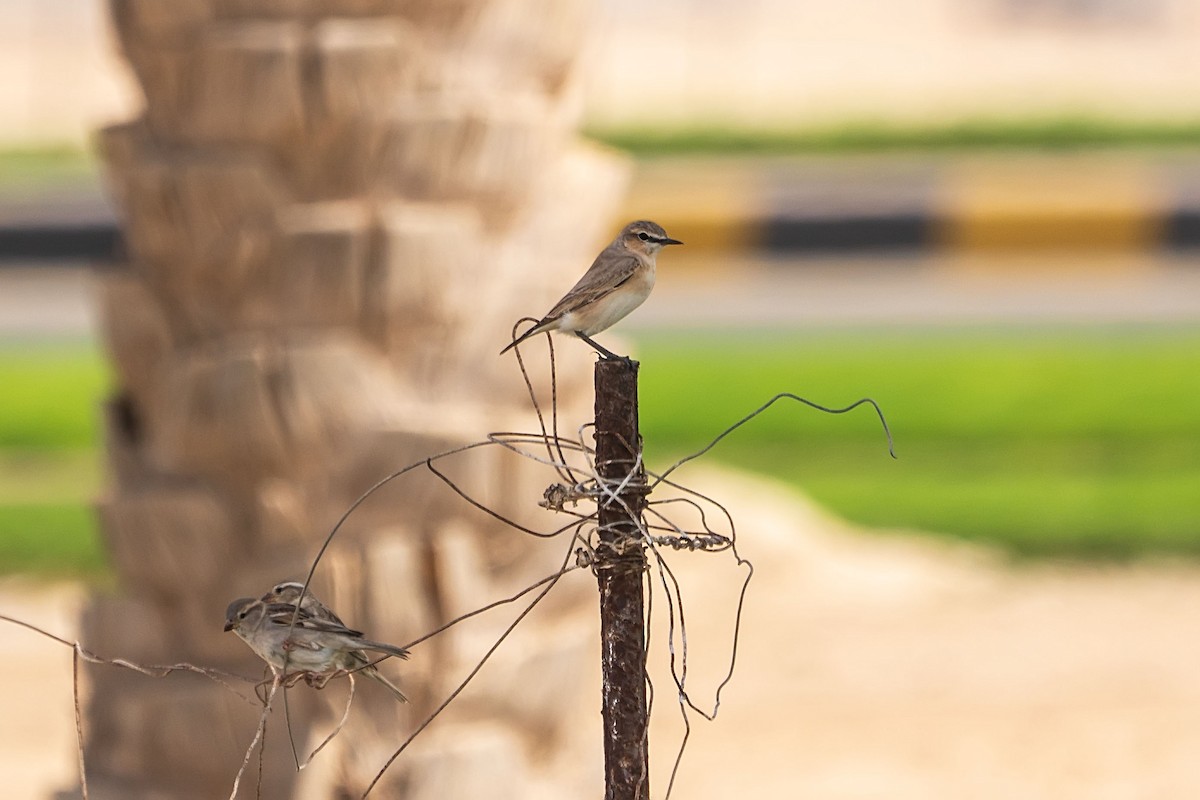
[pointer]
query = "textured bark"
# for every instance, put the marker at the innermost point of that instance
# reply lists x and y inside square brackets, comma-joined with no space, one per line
[335,209]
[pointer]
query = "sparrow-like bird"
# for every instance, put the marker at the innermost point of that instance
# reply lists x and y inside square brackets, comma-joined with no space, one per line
[319,644]
[619,280]
[292,592]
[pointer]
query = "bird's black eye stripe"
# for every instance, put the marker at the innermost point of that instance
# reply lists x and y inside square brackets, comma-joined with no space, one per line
[644,237]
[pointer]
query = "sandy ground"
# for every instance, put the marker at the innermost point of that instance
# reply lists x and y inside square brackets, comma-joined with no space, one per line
[899,667]
[37,717]
[870,667]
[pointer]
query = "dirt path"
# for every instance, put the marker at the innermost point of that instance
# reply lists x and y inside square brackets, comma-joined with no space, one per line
[870,668]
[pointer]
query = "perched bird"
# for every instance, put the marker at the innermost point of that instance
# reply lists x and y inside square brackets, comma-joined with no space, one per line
[319,644]
[291,592]
[619,280]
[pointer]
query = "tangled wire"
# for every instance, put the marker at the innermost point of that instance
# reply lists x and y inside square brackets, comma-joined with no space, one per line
[576,490]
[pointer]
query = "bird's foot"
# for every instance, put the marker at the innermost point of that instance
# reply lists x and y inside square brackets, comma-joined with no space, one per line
[289,681]
[262,689]
[319,680]
[604,352]
[629,362]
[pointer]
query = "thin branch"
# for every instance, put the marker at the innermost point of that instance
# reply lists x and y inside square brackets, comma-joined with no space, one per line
[341,724]
[83,784]
[260,733]
[470,676]
[152,670]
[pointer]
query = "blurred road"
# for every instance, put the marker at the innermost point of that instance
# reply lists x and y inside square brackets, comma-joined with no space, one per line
[925,290]
[900,290]
[47,301]
[734,274]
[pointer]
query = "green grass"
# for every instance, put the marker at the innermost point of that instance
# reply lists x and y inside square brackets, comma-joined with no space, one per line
[49,463]
[49,163]
[50,396]
[39,165]
[1046,443]
[56,540]
[1054,133]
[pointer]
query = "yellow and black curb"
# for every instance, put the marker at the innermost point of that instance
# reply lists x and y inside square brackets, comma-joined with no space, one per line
[874,204]
[1014,204]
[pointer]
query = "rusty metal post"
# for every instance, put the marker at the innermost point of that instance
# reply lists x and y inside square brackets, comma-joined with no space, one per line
[620,564]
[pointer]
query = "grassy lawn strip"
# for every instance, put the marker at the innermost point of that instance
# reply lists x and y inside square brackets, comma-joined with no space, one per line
[1047,443]
[40,165]
[1052,133]
[54,539]
[49,463]
[51,396]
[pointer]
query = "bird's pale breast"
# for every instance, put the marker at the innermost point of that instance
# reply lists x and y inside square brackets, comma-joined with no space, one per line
[614,306]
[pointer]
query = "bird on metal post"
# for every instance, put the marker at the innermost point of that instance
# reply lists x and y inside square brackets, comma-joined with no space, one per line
[619,280]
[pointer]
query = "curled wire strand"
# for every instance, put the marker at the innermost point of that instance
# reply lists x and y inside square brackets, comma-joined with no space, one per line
[761,409]
[552,441]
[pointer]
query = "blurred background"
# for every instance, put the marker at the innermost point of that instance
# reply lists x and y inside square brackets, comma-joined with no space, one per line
[984,214]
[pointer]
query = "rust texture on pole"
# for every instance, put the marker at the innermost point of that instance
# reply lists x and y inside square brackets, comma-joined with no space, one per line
[620,563]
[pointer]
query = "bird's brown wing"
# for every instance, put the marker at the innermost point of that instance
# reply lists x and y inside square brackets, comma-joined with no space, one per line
[282,613]
[601,278]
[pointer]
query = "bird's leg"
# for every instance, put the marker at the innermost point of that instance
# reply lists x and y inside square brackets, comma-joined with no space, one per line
[321,680]
[603,351]
[291,680]
[285,681]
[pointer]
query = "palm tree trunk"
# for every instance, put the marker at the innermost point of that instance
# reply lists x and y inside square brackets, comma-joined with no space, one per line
[334,210]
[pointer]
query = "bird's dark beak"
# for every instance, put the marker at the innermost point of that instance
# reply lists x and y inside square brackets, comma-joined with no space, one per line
[228,627]
[671,241]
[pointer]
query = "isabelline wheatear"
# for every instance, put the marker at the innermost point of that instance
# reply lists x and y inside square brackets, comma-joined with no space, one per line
[619,280]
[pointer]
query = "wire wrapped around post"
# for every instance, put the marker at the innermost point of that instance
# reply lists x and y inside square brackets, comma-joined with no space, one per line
[620,563]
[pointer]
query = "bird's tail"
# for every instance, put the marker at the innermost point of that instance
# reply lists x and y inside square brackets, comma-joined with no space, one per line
[534,331]
[373,672]
[382,647]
